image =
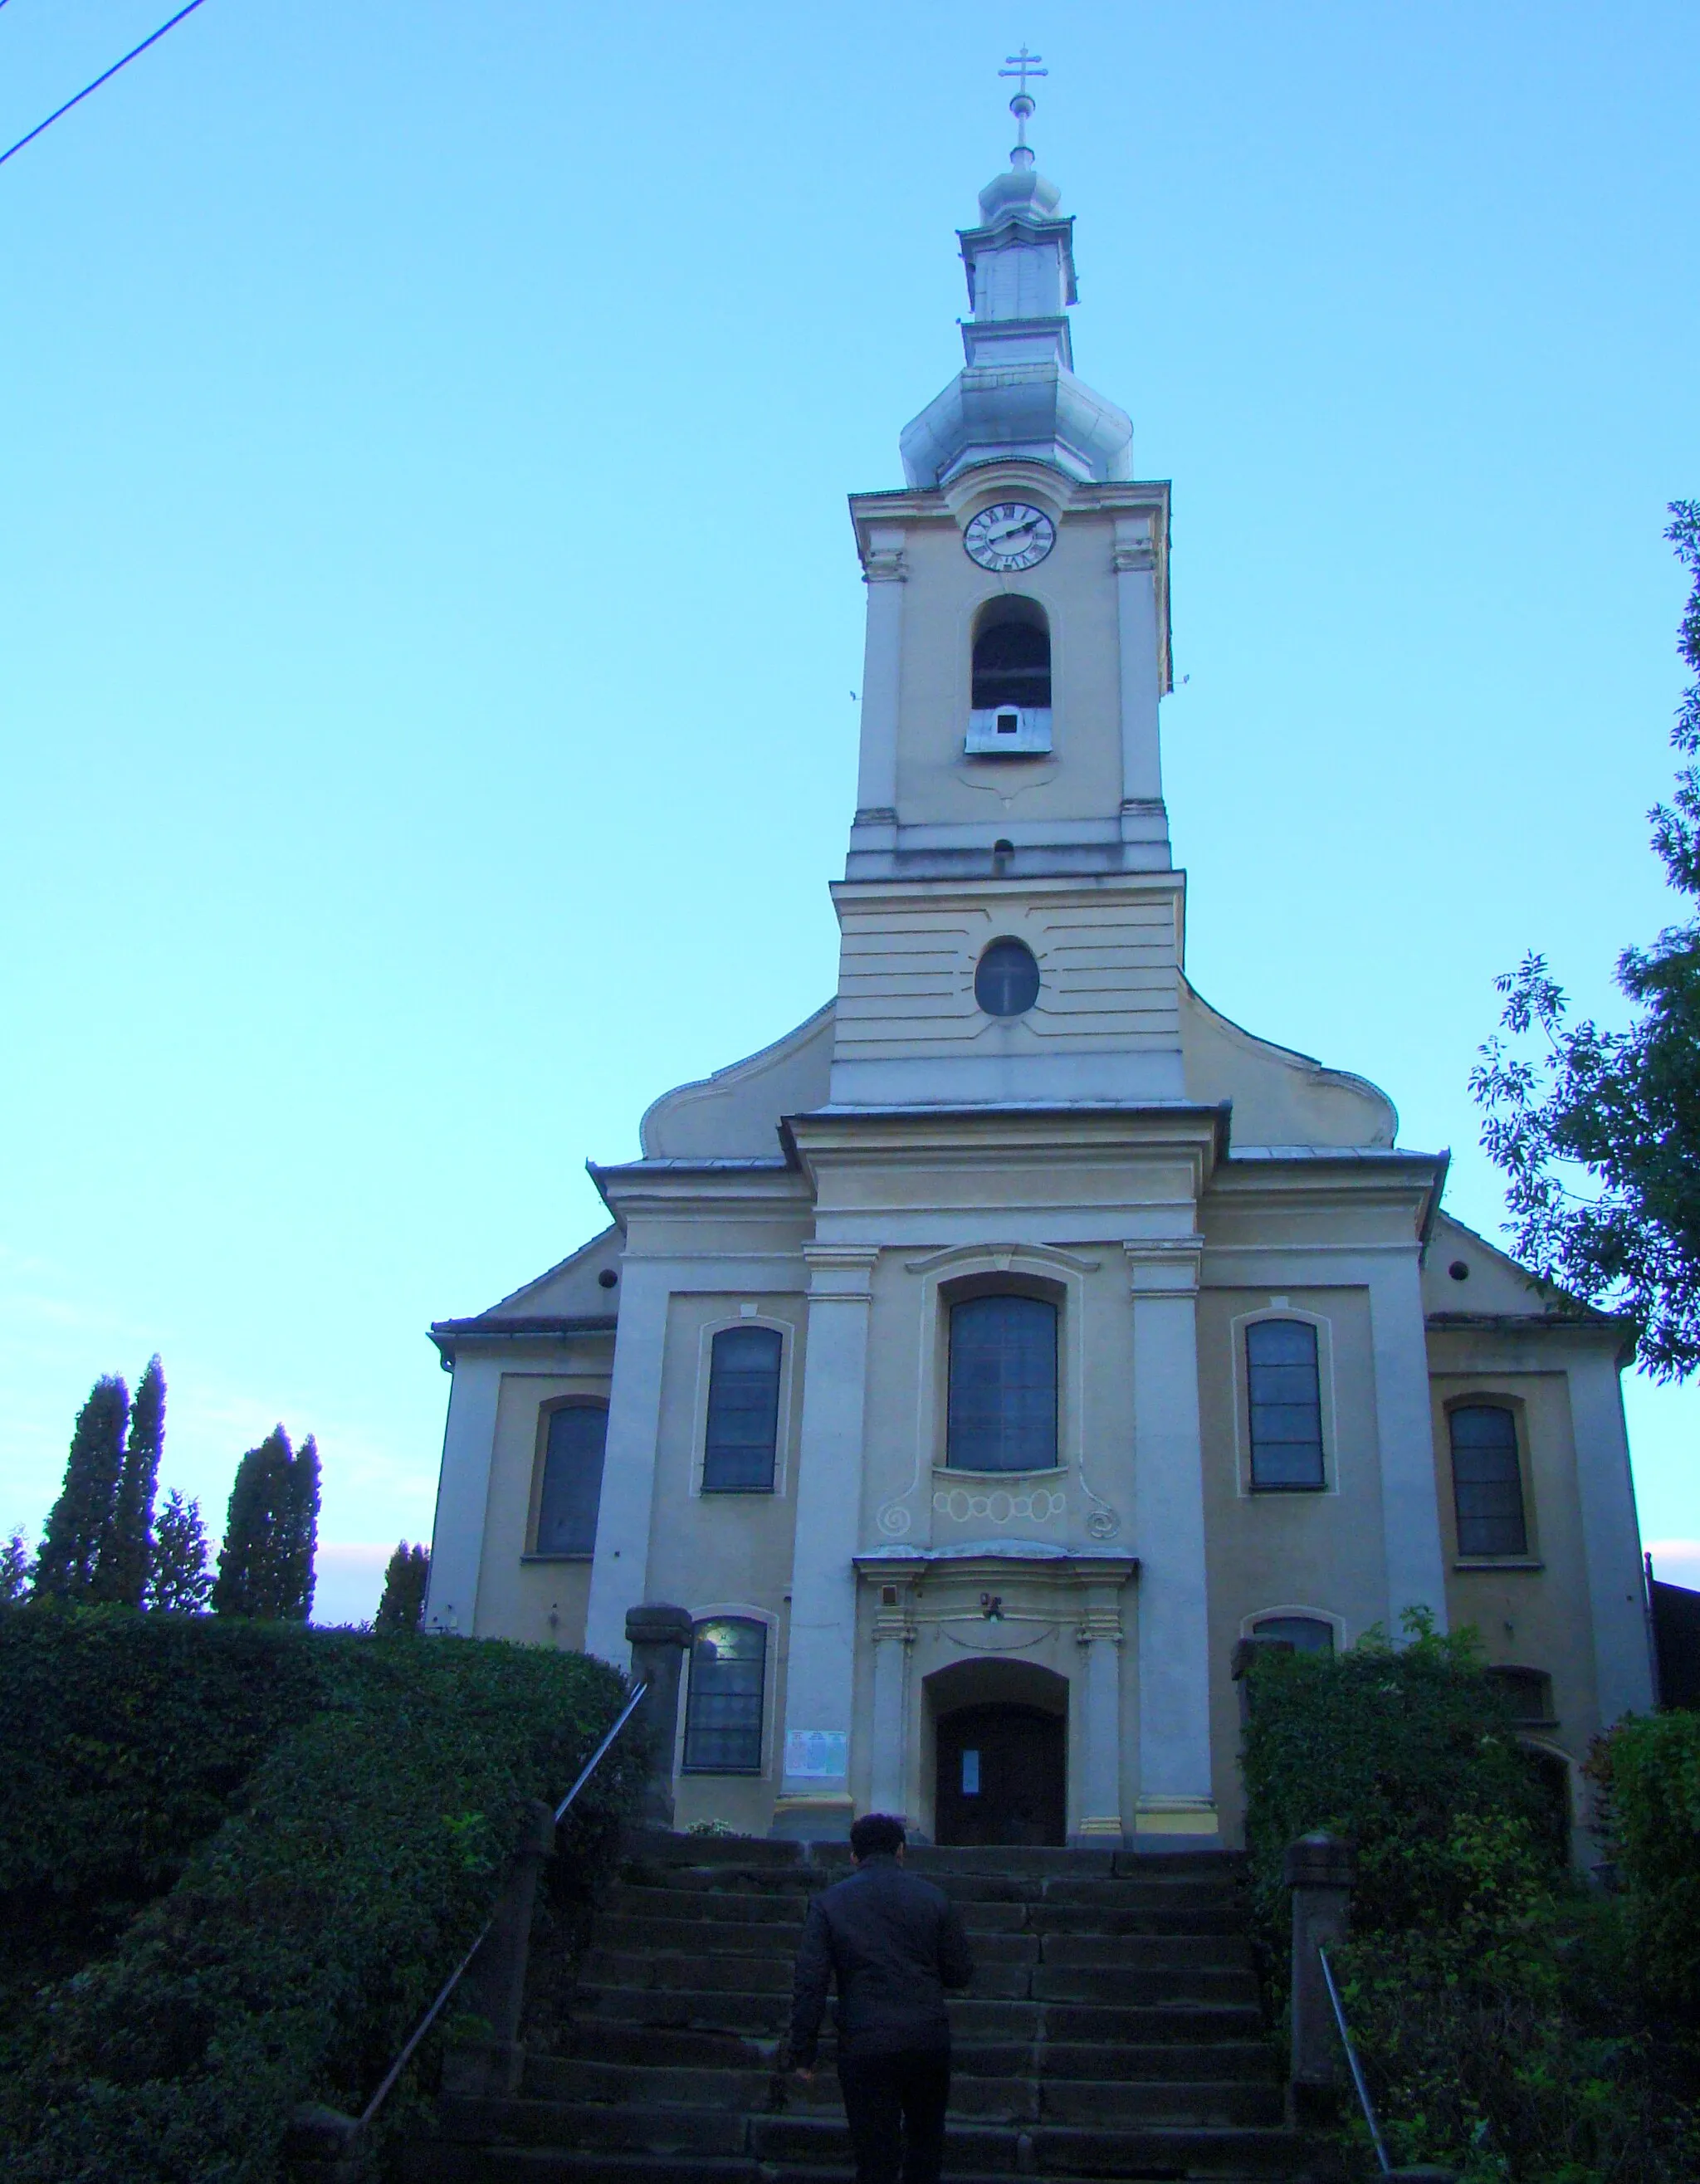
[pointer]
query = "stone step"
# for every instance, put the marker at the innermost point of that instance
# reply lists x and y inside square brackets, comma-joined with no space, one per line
[440,2162]
[740,1907]
[1188,2103]
[1116,2149]
[606,2040]
[627,1933]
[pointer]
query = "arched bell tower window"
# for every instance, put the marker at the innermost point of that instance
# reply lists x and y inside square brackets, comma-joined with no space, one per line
[1011,697]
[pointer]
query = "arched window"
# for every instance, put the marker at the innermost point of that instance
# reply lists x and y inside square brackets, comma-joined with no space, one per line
[743,1432]
[1285,1399]
[1012,656]
[1487,1480]
[1002,1414]
[1306,1634]
[723,1705]
[1009,697]
[572,1480]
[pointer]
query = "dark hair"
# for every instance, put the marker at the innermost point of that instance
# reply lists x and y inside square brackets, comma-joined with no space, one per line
[876,1834]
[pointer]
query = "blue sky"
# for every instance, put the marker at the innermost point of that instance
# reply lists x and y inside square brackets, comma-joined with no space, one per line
[428,615]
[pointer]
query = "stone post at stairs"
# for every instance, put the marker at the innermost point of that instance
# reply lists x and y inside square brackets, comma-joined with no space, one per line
[1319,1869]
[660,1637]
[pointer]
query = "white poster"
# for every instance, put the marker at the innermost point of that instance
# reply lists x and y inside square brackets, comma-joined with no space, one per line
[816,1755]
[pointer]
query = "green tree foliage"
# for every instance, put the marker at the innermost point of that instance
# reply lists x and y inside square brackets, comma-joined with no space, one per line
[1648,1768]
[14,1568]
[1387,1746]
[402,1606]
[81,1520]
[265,1566]
[121,1572]
[301,1532]
[1492,2000]
[179,1580]
[303,1936]
[1599,1132]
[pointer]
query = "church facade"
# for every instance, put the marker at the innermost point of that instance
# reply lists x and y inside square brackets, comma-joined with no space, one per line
[985,1360]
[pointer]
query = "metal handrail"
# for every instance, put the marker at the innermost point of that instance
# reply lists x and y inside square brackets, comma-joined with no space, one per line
[1369,2106]
[454,1979]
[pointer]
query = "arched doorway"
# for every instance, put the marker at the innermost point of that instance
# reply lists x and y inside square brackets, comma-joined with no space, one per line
[1000,1740]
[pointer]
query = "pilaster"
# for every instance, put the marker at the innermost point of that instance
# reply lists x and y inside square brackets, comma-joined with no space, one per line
[1412,1551]
[1176,1800]
[1098,1637]
[1136,564]
[884,572]
[814,1800]
[619,1574]
[463,1491]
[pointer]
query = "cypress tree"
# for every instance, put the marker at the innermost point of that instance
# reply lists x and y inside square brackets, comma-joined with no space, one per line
[403,1605]
[301,1543]
[178,1578]
[250,1561]
[121,1571]
[80,1521]
[14,1568]
[272,1533]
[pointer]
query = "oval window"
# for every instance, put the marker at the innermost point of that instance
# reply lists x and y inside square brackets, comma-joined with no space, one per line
[1006,981]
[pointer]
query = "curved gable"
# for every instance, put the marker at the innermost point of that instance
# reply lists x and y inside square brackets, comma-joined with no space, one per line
[736,1111]
[1279,1098]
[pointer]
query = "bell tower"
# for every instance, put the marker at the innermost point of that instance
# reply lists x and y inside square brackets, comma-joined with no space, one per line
[1010,844]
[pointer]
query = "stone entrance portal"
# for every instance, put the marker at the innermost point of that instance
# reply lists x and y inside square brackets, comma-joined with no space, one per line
[1002,1775]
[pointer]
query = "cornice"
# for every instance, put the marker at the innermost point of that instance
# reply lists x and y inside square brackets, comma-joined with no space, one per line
[549,1332]
[956,501]
[1082,887]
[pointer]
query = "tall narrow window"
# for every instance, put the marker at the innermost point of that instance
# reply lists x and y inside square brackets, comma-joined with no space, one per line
[1487,1481]
[743,1412]
[572,1480]
[724,1708]
[1285,1403]
[1003,1384]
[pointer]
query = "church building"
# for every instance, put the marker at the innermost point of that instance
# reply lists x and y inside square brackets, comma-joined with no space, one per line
[984,1360]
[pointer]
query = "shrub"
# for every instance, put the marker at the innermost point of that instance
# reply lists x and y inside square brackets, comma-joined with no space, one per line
[1389,1749]
[304,1935]
[1489,1996]
[1648,1769]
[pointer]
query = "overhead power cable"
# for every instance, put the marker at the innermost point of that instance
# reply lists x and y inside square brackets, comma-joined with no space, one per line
[99,80]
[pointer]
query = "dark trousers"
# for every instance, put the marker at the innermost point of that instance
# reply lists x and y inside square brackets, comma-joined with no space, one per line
[896,2106]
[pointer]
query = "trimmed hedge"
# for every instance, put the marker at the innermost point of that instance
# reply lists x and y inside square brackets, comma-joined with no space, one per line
[126,1735]
[306,1933]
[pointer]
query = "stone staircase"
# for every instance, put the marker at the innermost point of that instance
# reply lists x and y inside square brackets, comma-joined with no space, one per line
[1112,2031]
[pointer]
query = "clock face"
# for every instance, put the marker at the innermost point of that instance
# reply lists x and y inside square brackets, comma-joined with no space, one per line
[1010,536]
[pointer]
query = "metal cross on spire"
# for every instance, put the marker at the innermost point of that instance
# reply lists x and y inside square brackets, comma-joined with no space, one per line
[1022,65]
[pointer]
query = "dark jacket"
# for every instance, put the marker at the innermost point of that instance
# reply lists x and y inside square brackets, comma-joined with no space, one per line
[894,1943]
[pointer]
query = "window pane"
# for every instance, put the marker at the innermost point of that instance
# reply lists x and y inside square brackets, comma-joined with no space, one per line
[572,1480]
[723,1712]
[743,1411]
[1306,1632]
[1529,1691]
[1006,980]
[1003,1385]
[1487,1481]
[1285,1404]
